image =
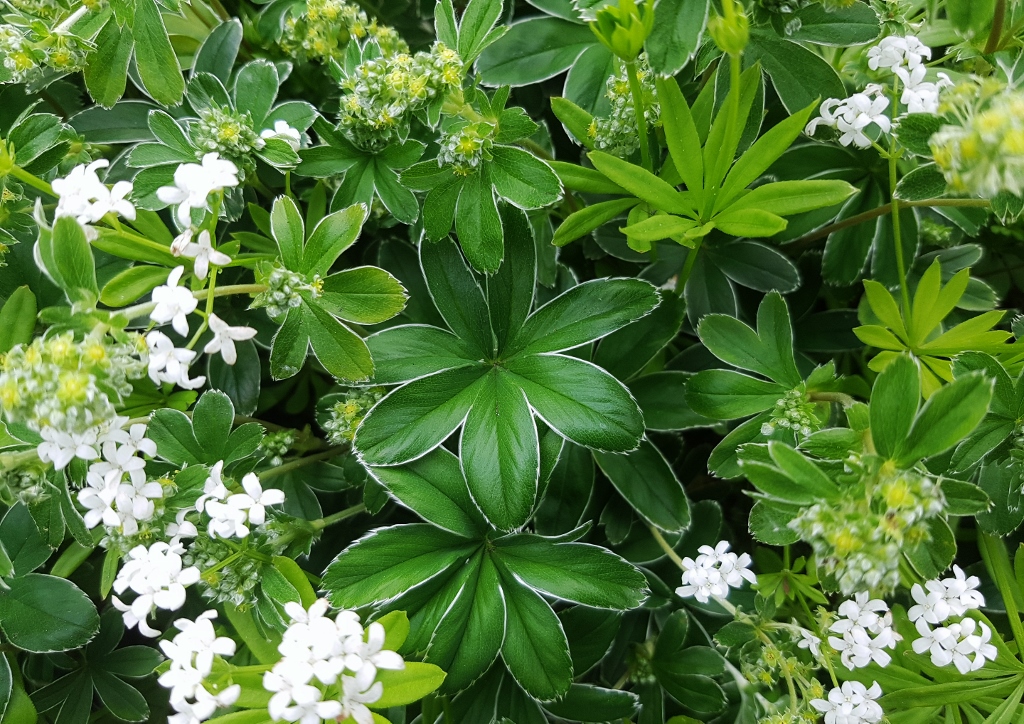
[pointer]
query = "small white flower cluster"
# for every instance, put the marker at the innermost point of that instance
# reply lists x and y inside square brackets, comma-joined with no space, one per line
[201,252]
[231,514]
[338,651]
[193,184]
[901,56]
[158,579]
[116,490]
[965,643]
[792,412]
[617,133]
[283,132]
[191,653]
[714,572]
[852,703]
[83,196]
[866,630]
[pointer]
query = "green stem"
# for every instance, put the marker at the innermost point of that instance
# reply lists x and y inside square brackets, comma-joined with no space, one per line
[141,310]
[997,560]
[840,397]
[897,232]
[640,111]
[684,275]
[660,539]
[338,517]
[996,34]
[33,181]
[156,246]
[302,462]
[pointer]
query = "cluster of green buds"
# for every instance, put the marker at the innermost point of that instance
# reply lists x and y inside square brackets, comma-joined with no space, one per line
[616,134]
[229,133]
[284,291]
[321,30]
[465,146]
[859,540]
[25,483]
[345,415]
[624,28]
[230,576]
[32,46]
[792,412]
[67,384]
[731,29]
[379,96]
[277,445]
[984,154]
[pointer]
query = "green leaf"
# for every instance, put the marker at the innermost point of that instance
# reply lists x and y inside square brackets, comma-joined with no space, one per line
[75,266]
[627,351]
[658,227]
[841,27]
[580,401]
[409,685]
[17,319]
[581,178]
[749,222]
[583,314]
[769,351]
[786,198]
[802,471]
[6,685]
[43,614]
[390,561]
[340,350]
[131,284]
[433,487]
[575,119]
[398,200]
[218,52]
[589,703]
[120,699]
[477,222]
[534,50]
[418,417]
[364,295]
[894,401]
[403,353]
[680,131]
[240,381]
[916,130]
[156,60]
[332,235]
[799,75]
[946,418]
[499,451]
[728,395]
[578,572]
[107,72]
[510,292]
[289,232]
[535,648]
[477,20]
[255,90]
[641,183]
[21,541]
[1002,484]
[522,179]
[678,26]
[589,218]
[770,525]
[924,182]
[647,482]
[290,345]
[457,295]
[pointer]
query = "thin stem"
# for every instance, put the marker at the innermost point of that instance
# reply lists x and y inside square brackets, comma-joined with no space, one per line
[684,275]
[71,20]
[640,111]
[141,310]
[666,547]
[33,181]
[138,239]
[897,231]
[302,462]
[840,397]
[339,516]
[996,34]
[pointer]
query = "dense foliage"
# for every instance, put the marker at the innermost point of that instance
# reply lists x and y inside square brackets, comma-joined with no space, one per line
[647,361]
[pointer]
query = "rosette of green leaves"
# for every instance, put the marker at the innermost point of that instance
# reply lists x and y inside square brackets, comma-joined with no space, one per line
[701,156]
[360,295]
[471,592]
[470,201]
[497,367]
[728,394]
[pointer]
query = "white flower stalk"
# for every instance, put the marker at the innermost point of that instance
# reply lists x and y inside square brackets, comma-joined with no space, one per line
[173,303]
[714,572]
[318,651]
[84,197]
[224,338]
[852,703]
[168,363]
[865,632]
[193,184]
[201,252]
[158,579]
[283,132]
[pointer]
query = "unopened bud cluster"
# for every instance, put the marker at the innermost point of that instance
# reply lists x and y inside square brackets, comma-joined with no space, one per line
[227,576]
[617,134]
[277,444]
[31,50]
[26,484]
[284,291]
[321,30]
[346,414]
[466,147]
[379,96]
[792,412]
[229,133]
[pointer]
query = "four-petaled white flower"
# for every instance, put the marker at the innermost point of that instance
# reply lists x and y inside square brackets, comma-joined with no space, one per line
[852,703]
[224,338]
[893,53]
[193,184]
[284,132]
[966,644]
[191,654]
[714,572]
[61,447]
[83,196]
[168,363]
[853,115]
[255,499]
[865,632]
[158,578]
[201,252]
[173,303]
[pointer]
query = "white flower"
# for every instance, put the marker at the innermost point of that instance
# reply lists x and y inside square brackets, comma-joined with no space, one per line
[83,196]
[134,438]
[61,448]
[226,521]
[255,499]
[213,488]
[358,691]
[919,95]
[961,593]
[197,644]
[861,610]
[284,132]
[119,461]
[202,252]
[714,572]
[157,578]
[853,115]
[865,631]
[853,703]
[964,644]
[810,642]
[99,507]
[173,303]
[931,605]
[224,338]
[894,53]
[193,184]
[168,363]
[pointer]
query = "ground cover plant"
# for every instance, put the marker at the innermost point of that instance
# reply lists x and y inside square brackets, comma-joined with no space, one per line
[435,362]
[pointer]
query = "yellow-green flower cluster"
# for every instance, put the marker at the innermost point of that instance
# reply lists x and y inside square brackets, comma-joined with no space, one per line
[465,147]
[617,134]
[29,50]
[229,133]
[792,412]
[67,384]
[379,96]
[984,155]
[859,540]
[321,30]
[347,413]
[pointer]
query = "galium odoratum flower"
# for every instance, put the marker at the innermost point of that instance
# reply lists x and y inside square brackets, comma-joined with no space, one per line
[230,513]
[201,252]
[865,632]
[851,703]
[224,338]
[852,116]
[82,195]
[938,600]
[168,363]
[714,572]
[193,184]
[283,132]
[191,654]
[173,303]
[158,578]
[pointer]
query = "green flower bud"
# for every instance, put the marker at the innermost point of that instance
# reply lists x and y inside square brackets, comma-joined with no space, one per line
[624,29]
[730,31]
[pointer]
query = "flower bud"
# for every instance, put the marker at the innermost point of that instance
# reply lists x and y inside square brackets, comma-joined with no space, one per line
[624,29]
[730,31]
